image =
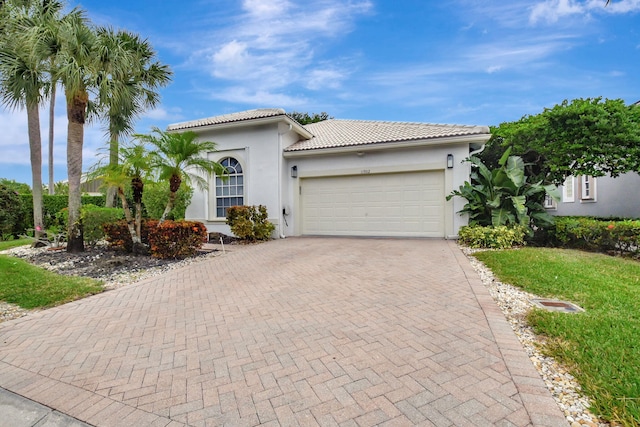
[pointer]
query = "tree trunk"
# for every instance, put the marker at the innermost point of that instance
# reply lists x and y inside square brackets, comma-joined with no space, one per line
[35,148]
[76,113]
[114,147]
[52,108]
[137,186]
[174,185]
[136,238]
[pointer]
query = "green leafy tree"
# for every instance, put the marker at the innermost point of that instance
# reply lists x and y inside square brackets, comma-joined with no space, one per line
[503,196]
[306,118]
[581,137]
[179,157]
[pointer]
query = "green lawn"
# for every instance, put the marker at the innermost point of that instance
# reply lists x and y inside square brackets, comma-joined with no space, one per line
[8,244]
[600,346]
[32,287]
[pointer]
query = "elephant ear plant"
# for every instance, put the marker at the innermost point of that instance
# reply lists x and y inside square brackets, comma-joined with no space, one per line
[503,196]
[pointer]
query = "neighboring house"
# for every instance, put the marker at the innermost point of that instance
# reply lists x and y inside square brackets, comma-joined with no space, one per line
[336,177]
[600,197]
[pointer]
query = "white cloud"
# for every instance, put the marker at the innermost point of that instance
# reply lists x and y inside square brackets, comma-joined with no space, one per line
[258,97]
[552,11]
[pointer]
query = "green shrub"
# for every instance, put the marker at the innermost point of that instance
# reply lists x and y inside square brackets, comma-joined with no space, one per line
[500,237]
[93,218]
[11,213]
[51,205]
[176,239]
[599,235]
[249,223]
[156,195]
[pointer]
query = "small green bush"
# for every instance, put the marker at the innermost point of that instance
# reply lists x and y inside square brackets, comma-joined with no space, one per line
[156,195]
[93,218]
[250,223]
[176,239]
[599,235]
[51,205]
[11,213]
[500,237]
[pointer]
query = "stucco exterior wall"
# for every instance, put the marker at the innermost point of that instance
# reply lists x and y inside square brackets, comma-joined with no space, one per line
[614,197]
[422,158]
[256,148]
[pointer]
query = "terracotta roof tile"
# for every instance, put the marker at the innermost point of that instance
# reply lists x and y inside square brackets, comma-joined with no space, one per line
[346,133]
[229,118]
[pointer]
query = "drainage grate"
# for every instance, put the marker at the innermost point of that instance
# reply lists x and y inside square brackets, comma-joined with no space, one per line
[557,305]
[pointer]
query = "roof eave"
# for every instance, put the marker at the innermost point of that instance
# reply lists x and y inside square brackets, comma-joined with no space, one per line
[299,129]
[466,139]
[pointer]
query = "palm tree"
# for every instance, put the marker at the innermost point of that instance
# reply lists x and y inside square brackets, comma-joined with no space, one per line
[181,157]
[131,77]
[77,71]
[133,167]
[23,75]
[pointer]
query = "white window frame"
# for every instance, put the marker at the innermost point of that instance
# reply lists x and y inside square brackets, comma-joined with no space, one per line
[231,185]
[587,188]
[568,190]
[549,202]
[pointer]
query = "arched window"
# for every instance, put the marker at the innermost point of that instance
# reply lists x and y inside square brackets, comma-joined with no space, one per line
[229,191]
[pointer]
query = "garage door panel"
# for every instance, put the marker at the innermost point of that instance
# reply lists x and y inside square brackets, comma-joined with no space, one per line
[396,204]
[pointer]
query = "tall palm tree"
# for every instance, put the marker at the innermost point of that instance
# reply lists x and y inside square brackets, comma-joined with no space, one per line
[131,79]
[181,157]
[23,75]
[77,70]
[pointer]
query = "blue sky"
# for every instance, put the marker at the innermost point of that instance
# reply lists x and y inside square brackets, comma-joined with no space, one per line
[478,62]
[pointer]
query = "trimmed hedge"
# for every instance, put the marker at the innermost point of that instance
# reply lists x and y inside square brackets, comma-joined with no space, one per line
[500,237]
[599,235]
[171,239]
[51,205]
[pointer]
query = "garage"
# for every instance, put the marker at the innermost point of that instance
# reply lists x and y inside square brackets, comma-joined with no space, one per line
[387,204]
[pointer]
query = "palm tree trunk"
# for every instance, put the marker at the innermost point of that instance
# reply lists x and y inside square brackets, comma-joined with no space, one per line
[136,239]
[35,148]
[52,108]
[174,186]
[114,147]
[76,112]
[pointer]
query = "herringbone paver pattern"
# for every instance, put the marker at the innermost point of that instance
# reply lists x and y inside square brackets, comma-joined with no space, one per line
[295,332]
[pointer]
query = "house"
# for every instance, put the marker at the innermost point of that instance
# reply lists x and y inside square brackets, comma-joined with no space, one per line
[603,197]
[336,177]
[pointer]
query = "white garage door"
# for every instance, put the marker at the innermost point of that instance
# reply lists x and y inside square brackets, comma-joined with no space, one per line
[393,204]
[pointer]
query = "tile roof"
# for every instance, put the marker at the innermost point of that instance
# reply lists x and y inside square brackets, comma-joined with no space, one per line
[260,113]
[346,133]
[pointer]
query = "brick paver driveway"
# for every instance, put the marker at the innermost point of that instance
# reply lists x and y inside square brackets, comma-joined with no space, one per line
[304,331]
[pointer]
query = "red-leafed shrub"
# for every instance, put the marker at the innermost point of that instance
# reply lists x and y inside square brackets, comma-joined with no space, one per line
[176,239]
[118,236]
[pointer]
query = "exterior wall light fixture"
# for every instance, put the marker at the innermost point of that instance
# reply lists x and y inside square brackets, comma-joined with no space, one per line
[449,161]
[294,171]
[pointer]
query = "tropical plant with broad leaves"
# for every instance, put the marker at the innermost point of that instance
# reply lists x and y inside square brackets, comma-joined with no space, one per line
[503,196]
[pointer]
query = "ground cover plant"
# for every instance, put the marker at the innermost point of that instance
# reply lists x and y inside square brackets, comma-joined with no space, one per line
[602,345]
[32,287]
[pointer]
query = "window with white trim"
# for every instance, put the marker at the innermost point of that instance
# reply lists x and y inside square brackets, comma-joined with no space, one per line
[588,187]
[229,190]
[567,190]
[549,202]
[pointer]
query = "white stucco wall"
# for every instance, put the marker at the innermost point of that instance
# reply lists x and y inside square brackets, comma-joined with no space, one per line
[259,149]
[256,148]
[423,158]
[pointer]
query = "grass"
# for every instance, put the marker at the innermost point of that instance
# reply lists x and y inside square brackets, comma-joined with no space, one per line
[32,287]
[601,347]
[8,244]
